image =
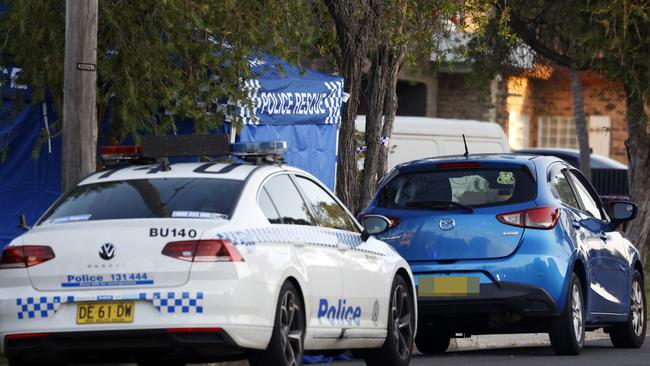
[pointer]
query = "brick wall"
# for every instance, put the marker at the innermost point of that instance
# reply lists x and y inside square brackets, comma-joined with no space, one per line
[459,98]
[551,95]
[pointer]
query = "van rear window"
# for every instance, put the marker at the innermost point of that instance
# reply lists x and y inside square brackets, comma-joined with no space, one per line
[474,188]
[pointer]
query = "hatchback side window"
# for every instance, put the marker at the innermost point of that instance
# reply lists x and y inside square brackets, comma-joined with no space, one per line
[328,212]
[288,202]
[590,204]
[561,188]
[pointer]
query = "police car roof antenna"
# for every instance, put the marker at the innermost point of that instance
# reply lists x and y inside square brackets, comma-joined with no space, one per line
[466,154]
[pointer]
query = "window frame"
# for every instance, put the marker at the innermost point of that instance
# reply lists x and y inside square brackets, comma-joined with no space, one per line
[261,187]
[576,174]
[294,177]
[562,169]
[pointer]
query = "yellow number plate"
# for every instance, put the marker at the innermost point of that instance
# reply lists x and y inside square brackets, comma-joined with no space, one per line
[448,286]
[105,312]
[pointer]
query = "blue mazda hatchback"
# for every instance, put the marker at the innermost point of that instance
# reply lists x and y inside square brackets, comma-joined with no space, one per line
[511,244]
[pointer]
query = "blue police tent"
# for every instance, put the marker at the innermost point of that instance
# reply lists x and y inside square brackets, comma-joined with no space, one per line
[300,107]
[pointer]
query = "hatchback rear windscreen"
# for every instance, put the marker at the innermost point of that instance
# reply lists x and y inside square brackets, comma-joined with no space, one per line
[148,198]
[472,188]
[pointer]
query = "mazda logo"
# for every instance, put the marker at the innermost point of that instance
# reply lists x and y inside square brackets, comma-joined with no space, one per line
[107,251]
[447,223]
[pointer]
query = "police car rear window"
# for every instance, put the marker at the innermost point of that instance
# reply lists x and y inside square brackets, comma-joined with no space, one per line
[473,188]
[148,198]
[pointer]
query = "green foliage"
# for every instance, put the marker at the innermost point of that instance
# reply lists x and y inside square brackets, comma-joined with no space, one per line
[159,62]
[621,35]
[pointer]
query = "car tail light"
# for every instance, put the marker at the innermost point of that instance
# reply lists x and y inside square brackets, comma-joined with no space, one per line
[23,256]
[535,218]
[203,251]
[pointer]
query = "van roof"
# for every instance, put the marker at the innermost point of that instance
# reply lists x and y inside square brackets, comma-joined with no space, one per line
[439,126]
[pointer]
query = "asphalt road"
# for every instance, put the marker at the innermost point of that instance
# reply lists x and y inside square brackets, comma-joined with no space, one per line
[596,353]
[599,352]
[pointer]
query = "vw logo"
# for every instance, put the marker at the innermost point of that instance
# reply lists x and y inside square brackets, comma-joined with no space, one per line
[447,223]
[107,251]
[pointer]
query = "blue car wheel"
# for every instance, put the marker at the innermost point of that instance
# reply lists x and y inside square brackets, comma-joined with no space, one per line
[632,333]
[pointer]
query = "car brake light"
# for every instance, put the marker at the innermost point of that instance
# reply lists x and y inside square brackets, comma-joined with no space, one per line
[203,251]
[535,218]
[25,256]
[462,164]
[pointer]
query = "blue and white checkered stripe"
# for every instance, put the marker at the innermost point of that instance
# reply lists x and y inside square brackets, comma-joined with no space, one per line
[252,87]
[289,234]
[178,303]
[39,307]
[165,302]
[334,101]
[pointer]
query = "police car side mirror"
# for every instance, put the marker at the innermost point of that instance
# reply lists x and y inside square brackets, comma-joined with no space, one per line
[373,225]
[22,222]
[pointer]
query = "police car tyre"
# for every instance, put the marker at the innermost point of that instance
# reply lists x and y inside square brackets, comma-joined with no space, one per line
[288,338]
[432,341]
[631,334]
[567,333]
[398,347]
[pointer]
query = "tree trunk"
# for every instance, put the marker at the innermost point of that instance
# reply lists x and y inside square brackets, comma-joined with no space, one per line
[352,34]
[79,92]
[638,150]
[395,64]
[580,122]
[377,85]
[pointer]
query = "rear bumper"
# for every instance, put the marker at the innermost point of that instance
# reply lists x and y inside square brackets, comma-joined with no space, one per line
[504,298]
[125,346]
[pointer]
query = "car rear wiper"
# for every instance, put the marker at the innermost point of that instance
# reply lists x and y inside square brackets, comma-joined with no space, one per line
[438,204]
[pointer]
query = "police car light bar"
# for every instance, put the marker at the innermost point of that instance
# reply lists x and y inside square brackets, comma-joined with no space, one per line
[259,148]
[130,152]
[160,147]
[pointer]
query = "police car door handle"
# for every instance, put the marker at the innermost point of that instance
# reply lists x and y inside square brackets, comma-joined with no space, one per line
[603,236]
[576,224]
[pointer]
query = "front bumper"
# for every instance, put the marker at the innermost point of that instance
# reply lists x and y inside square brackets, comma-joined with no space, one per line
[189,345]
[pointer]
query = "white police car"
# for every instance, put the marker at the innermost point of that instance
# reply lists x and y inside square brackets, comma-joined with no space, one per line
[198,262]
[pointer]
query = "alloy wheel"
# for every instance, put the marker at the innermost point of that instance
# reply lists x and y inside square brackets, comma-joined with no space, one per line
[576,308]
[637,310]
[291,329]
[402,318]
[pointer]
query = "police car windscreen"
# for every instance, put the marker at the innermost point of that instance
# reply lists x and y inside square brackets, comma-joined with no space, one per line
[148,198]
[452,188]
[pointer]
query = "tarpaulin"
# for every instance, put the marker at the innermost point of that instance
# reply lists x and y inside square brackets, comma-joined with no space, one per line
[301,107]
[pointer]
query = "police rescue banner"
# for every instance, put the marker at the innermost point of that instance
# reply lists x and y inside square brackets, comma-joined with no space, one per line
[284,95]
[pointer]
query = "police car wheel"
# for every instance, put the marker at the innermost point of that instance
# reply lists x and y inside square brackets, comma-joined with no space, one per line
[286,345]
[398,347]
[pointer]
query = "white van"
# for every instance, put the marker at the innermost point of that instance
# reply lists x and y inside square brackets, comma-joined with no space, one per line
[423,137]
